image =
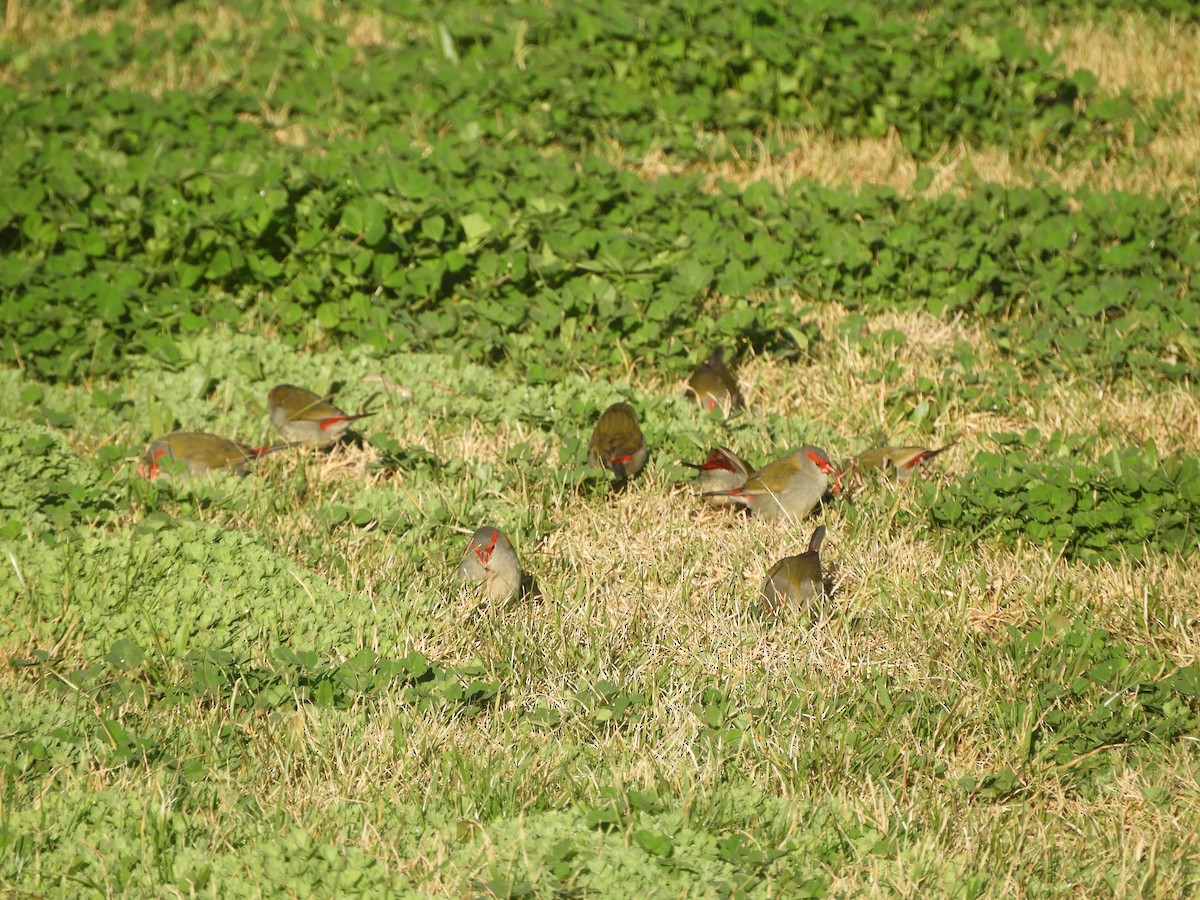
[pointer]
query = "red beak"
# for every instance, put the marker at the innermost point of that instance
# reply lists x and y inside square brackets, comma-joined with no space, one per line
[151,470]
[828,468]
[485,553]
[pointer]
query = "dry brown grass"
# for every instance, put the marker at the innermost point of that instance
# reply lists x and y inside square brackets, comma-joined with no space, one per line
[835,388]
[1165,165]
[1140,53]
[681,586]
[648,581]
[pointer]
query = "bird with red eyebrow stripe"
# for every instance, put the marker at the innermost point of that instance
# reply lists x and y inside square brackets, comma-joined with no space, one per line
[302,416]
[724,470]
[202,453]
[791,487]
[617,444]
[904,460]
[491,564]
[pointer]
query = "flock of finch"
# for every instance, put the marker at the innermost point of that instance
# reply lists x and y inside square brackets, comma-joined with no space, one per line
[791,487]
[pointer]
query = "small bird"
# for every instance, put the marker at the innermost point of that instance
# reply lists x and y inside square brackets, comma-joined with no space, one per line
[202,453]
[789,487]
[491,563]
[724,470]
[712,385]
[795,580]
[617,443]
[305,417]
[905,460]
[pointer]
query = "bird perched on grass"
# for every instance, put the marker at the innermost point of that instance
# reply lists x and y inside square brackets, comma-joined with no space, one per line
[713,386]
[202,453]
[791,487]
[795,580]
[617,444]
[491,564]
[302,416]
[905,461]
[724,470]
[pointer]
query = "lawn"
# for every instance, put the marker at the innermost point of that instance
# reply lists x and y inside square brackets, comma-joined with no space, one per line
[906,224]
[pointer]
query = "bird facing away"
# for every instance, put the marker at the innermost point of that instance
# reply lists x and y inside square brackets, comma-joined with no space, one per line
[713,386]
[617,443]
[302,416]
[791,487]
[724,470]
[904,460]
[202,453]
[795,580]
[490,563]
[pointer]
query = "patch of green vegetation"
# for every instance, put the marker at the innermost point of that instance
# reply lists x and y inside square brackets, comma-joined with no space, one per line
[1126,502]
[981,11]
[169,587]
[1090,690]
[668,75]
[637,841]
[498,249]
[501,252]
[1080,690]
[116,844]
[48,486]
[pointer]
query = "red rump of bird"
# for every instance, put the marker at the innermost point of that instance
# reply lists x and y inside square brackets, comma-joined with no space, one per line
[302,416]
[791,487]
[723,470]
[202,453]
[617,444]
[723,459]
[904,460]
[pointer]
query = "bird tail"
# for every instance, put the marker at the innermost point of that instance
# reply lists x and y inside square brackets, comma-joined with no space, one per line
[273,448]
[932,453]
[818,537]
[326,424]
[718,458]
[912,464]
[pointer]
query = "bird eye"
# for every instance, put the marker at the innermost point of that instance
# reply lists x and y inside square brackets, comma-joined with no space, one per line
[822,463]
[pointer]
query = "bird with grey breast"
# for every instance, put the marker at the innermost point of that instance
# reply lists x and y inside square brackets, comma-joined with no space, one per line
[302,416]
[791,487]
[904,461]
[490,564]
